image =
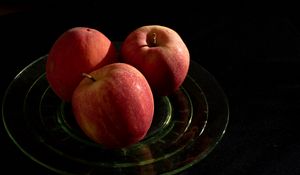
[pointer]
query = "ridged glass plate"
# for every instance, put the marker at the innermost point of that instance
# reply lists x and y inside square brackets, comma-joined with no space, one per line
[187,126]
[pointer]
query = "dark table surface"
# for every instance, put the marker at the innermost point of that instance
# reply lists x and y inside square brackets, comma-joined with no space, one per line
[255,59]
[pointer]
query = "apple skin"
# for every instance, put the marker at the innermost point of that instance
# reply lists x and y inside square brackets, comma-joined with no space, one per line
[77,50]
[116,107]
[160,54]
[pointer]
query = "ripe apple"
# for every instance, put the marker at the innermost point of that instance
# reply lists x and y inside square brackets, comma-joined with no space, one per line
[160,54]
[77,50]
[114,105]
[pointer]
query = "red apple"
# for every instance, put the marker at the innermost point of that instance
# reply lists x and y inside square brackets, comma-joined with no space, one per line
[114,105]
[77,50]
[160,54]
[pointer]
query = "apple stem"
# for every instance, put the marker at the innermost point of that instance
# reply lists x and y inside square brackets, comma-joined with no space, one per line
[88,76]
[154,41]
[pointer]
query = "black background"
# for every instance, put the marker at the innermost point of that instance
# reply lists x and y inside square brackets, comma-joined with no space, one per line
[255,59]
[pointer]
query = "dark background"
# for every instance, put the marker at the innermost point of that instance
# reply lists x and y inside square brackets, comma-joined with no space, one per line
[255,59]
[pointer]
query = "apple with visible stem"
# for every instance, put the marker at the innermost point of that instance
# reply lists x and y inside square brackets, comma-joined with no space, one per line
[77,50]
[114,105]
[160,54]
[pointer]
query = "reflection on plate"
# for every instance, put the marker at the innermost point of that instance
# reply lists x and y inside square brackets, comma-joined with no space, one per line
[187,126]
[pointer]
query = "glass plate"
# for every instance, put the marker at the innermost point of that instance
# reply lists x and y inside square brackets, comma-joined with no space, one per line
[187,126]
